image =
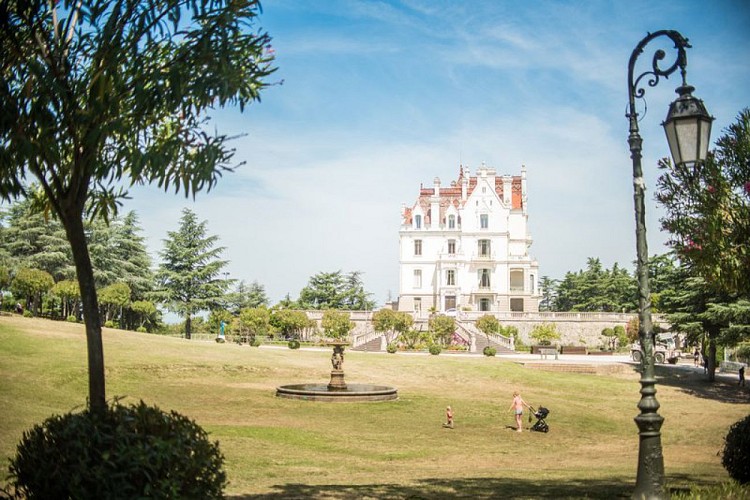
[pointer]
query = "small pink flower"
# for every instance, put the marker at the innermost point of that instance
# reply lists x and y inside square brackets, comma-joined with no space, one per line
[711,189]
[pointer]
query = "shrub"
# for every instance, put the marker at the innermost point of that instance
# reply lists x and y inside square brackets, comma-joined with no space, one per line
[489,351]
[71,319]
[141,329]
[736,455]
[123,452]
[545,333]
[392,347]
[293,344]
[257,342]
[435,349]
[27,314]
[109,324]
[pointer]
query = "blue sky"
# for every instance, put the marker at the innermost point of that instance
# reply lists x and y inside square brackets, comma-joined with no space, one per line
[379,97]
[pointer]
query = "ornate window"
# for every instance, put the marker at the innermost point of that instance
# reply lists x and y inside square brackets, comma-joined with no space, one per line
[484,278]
[417,278]
[484,248]
[450,277]
[451,247]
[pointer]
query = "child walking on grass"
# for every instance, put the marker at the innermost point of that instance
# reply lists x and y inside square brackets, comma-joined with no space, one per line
[448,418]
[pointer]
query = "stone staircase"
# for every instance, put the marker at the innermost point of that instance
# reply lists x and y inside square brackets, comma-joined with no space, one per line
[372,345]
[482,342]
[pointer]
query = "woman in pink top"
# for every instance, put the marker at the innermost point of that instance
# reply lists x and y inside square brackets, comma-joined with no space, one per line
[517,405]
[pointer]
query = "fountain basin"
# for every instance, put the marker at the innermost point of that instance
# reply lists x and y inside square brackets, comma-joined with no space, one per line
[350,393]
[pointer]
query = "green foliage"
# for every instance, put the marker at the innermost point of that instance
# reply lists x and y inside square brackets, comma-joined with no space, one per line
[392,323]
[435,349]
[289,323]
[28,314]
[545,333]
[32,283]
[122,452]
[413,338]
[71,319]
[294,344]
[597,289]
[141,329]
[488,324]
[707,210]
[631,329]
[392,347]
[548,288]
[743,352]
[109,324]
[98,95]
[489,351]
[336,324]
[611,338]
[189,272]
[442,328]
[146,314]
[336,290]
[730,490]
[736,454]
[114,298]
[621,335]
[255,321]
[244,297]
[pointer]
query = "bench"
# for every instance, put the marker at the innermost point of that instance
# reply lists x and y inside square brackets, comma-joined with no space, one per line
[547,351]
[573,349]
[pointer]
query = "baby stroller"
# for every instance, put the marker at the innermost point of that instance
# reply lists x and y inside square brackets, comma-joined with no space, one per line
[541,414]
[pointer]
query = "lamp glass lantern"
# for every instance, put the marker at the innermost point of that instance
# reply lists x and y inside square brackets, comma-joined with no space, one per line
[688,127]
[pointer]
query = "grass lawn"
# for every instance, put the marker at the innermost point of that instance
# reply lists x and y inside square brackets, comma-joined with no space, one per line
[280,448]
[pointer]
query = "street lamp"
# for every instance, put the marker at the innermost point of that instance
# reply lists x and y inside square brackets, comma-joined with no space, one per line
[688,128]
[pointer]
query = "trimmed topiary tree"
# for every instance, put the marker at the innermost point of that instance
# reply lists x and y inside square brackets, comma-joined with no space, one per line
[489,351]
[736,455]
[121,451]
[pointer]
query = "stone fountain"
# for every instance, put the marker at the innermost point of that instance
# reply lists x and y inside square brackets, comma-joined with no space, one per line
[337,389]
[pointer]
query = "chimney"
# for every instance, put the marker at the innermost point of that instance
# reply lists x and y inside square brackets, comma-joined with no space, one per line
[435,205]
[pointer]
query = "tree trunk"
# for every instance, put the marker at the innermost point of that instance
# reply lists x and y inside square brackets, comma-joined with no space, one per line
[711,366]
[187,326]
[74,228]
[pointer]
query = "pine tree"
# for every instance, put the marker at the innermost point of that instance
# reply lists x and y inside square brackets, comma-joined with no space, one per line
[189,274]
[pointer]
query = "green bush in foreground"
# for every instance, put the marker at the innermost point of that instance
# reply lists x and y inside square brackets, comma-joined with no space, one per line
[125,452]
[489,351]
[736,455]
[435,349]
[293,344]
[392,348]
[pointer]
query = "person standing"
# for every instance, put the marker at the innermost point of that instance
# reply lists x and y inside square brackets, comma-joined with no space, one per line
[517,406]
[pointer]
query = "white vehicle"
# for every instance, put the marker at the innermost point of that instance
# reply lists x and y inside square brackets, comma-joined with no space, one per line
[665,349]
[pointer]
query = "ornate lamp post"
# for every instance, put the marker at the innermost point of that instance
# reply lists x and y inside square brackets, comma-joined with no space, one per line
[688,127]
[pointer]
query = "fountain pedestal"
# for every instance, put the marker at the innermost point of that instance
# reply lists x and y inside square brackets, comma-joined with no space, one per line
[337,360]
[337,382]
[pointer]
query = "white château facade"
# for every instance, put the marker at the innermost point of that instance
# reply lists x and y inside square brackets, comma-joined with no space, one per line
[466,247]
